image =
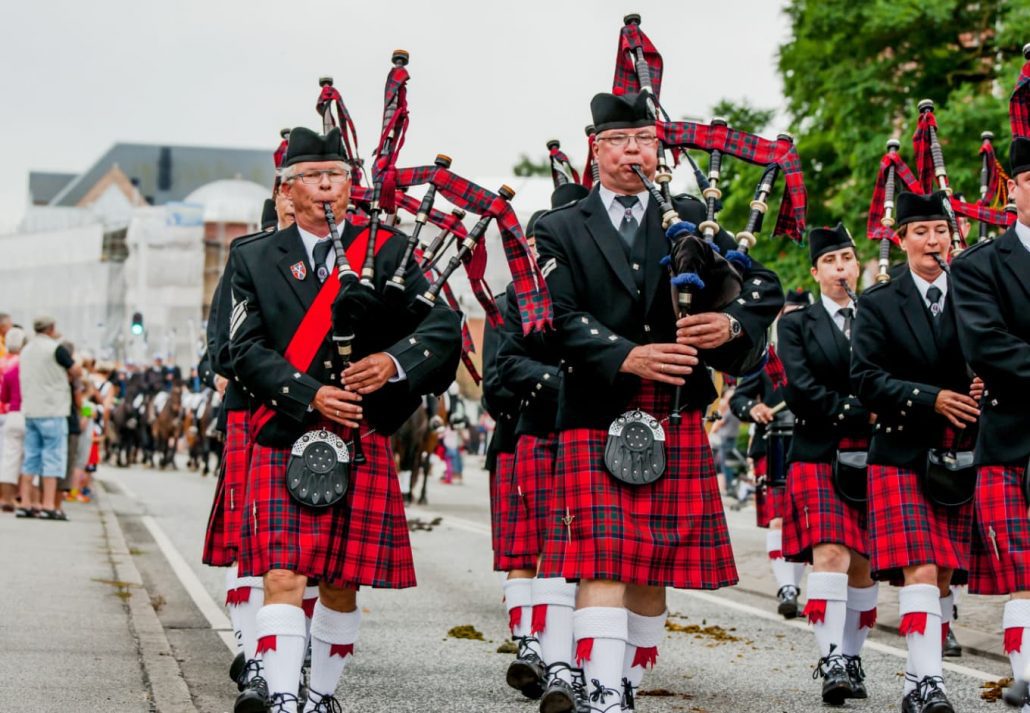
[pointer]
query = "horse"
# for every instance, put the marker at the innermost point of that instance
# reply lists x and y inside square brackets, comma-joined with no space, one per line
[126,426]
[200,411]
[166,427]
[415,441]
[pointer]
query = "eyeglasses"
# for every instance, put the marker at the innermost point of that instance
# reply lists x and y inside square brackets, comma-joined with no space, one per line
[313,178]
[620,140]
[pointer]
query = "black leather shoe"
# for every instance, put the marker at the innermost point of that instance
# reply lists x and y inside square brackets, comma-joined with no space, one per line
[934,699]
[254,697]
[856,675]
[836,682]
[236,669]
[952,648]
[912,703]
[559,696]
[788,598]
[629,702]
[527,672]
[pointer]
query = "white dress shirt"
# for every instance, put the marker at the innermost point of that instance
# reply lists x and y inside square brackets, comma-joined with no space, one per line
[1023,233]
[310,240]
[615,210]
[922,285]
[834,310]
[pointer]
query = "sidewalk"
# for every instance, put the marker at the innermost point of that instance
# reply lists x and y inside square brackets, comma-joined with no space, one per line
[978,627]
[73,620]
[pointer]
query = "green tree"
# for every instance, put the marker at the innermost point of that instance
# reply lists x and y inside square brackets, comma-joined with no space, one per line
[854,72]
[527,167]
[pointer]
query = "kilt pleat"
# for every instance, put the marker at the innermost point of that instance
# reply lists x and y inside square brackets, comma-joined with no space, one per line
[222,539]
[1001,542]
[502,521]
[906,529]
[815,515]
[530,505]
[668,533]
[360,541]
[770,502]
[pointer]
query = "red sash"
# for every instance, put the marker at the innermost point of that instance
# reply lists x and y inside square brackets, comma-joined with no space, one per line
[314,328]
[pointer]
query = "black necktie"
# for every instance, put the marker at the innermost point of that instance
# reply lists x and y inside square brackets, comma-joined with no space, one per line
[933,296]
[322,248]
[628,226]
[848,314]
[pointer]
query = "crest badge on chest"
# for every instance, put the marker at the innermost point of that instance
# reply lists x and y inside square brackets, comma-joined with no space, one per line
[299,270]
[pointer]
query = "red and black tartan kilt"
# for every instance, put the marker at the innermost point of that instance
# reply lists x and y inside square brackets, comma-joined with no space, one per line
[1001,542]
[502,482]
[222,540]
[669,533]
[363,540]
[815,514]
[770,502]
[906,529]
[531,497]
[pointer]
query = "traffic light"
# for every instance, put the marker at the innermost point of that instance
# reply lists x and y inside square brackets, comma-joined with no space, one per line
[137,323]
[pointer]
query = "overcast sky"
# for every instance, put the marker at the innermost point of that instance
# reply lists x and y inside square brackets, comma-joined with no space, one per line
[489,80]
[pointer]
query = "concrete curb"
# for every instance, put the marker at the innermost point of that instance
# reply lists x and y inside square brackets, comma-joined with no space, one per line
[161,671]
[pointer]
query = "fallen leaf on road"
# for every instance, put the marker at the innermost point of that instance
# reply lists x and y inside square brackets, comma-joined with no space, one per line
[993,690]
[466,631]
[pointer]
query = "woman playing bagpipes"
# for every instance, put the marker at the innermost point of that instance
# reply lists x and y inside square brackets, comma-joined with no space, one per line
[825,521]
[907,367]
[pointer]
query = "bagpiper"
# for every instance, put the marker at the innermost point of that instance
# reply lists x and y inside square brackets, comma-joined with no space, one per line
[825,518]
[323,500]
[907,368]
[625,353]
[759,399]
[992,300]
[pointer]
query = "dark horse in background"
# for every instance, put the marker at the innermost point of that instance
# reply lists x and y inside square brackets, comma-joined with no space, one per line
[201,416]
[415,441]
[127,425]
[166,414]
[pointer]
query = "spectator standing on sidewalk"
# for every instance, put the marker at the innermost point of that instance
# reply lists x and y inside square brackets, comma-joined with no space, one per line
[723,437]
[6,324]
[12,448]
[45,371]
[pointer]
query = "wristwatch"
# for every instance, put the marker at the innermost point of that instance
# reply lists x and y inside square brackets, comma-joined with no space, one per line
[735,328]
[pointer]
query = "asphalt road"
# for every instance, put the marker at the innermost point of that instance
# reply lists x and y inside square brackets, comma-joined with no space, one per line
[407,662]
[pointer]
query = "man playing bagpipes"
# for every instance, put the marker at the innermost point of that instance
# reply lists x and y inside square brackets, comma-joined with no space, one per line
[643,513]
[529,366]
[907,368]
[759,399]
[992,298]
[323,500]
[825,522]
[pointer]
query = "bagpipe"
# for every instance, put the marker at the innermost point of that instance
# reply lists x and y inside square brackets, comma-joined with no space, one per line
[379,204]
[991,209]
[702,278]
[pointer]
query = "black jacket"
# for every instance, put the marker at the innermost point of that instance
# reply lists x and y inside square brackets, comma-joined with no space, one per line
[817,359]
[600,313]
[500,402]
[529,368]
[268,304]
[752,390]
[992,297]
[899,364]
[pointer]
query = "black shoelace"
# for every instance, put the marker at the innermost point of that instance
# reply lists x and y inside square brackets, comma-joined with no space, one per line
[280,701]
[326,703]
[829,664]
[628,701]
[525,652]
[854,667]
[929,685]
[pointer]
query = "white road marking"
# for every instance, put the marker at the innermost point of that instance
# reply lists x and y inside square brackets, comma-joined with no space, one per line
[475,527]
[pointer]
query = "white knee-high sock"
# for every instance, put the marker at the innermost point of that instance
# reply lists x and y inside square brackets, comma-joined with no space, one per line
[947,614]
[308,604]
[1016,622]
[827,609]
[783,570]
[250,597]
[644,635]
[601,634]
[554,600]
[281,632]
[799,572]
[920,609]
[860,618]
[518,599]
[333,635]
[230,605]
